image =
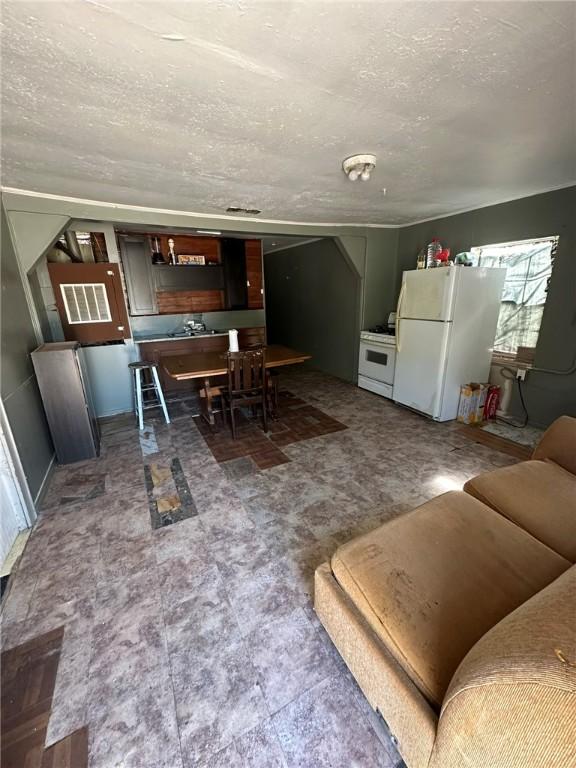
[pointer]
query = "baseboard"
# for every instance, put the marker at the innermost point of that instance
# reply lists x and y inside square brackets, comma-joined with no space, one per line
[114,413]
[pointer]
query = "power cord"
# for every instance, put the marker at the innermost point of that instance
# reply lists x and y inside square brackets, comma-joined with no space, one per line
[510,374]
[521,393]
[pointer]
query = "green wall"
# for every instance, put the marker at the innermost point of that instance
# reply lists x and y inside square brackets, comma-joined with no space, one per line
[380,278]
[19,390]
[313,303]
[378,256]
[553,213]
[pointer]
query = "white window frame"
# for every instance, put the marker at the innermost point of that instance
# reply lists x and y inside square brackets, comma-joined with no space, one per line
[74,286]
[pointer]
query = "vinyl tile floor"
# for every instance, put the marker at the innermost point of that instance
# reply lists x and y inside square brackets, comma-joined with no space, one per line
[194,644]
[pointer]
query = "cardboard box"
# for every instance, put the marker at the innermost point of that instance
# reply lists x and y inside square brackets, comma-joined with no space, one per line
[472,401]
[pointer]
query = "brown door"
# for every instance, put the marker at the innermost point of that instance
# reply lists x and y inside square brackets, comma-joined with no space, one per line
[90,301]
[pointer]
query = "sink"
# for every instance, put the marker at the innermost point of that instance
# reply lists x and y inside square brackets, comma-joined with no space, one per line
[188,334]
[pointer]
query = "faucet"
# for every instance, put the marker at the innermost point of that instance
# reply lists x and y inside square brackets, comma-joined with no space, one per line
[191,327]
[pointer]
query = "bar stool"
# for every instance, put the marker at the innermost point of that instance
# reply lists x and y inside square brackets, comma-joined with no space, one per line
[140,386]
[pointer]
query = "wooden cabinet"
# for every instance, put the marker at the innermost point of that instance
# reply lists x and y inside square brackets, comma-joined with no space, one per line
[183,302]
[231,278]
[254,274]
[192,288]
[137,262]
[156,351]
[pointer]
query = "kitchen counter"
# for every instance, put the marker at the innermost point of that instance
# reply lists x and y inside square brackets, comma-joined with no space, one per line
[146,338]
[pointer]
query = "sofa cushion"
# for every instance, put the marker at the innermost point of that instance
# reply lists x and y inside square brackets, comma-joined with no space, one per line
[558,444]
[432,582]
[536,495]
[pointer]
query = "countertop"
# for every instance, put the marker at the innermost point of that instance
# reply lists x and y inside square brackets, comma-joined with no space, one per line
[143,338]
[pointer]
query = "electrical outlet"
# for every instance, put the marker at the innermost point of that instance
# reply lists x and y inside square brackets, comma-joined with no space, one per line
[521,373]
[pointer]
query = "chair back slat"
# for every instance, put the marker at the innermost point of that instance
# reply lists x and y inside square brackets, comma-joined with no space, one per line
[246,370]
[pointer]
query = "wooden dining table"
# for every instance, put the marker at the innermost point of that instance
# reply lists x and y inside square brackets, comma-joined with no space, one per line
[209,365]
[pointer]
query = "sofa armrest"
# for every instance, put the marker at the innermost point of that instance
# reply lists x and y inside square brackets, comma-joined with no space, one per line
[558,444]
[512,700]
[386,686]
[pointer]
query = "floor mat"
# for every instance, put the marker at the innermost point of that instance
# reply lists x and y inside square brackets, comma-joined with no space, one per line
[294,421]
[28,679]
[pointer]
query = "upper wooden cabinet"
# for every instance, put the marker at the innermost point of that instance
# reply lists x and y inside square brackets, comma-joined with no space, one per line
[230,279]
[254,279]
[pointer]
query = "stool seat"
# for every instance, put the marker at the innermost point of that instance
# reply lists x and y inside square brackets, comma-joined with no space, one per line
[142,365]
[139,369]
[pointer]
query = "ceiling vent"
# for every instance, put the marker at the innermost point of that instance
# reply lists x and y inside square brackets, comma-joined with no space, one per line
[249,211]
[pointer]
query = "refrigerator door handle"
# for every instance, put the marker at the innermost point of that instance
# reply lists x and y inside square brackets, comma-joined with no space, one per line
[399,315]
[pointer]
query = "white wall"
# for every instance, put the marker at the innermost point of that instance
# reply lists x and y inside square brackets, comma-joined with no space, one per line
[14,517]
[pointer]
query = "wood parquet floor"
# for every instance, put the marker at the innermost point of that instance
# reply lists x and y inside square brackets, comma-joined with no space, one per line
[28,677]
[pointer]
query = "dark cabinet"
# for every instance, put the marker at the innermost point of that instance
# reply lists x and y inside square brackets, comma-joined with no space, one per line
[235,280]
[231,278]
[137,262]
[192,277]
[65,389]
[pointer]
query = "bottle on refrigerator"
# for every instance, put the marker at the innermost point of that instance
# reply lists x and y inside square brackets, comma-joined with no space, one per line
[433,252]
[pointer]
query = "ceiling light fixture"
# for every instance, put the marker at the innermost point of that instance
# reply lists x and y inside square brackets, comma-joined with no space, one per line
[207,232]
[173,37]
[359,167]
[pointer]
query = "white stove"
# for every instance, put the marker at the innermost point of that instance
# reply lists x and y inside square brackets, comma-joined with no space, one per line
[377,362]
[379,338]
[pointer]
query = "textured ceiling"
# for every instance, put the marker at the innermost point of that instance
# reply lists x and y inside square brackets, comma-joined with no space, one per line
[464,104]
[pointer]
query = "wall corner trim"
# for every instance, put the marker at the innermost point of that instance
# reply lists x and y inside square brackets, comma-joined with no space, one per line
[34,233]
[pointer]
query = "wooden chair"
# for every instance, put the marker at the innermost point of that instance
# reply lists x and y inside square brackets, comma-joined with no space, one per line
[273,388]
[247,384]
[271,375]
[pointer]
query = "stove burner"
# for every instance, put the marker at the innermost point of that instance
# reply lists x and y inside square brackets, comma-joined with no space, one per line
[382,329]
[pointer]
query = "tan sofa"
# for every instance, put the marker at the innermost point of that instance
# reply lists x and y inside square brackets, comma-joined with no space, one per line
[458,619]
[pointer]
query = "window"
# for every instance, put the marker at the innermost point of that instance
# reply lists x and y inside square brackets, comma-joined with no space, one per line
[86,302]
[528,269]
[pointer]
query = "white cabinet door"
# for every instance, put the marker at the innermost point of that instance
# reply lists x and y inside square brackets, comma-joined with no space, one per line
[420,364]
[427,294]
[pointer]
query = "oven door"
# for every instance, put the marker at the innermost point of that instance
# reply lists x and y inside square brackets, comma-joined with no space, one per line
[377,361]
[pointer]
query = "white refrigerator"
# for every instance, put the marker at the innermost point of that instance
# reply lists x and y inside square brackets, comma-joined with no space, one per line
[445,329]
